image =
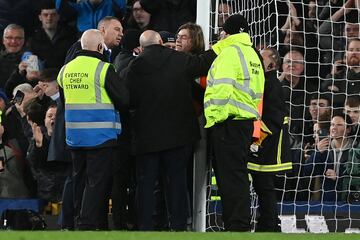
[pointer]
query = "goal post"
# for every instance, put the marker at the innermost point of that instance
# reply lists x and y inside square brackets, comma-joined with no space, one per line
[321,32]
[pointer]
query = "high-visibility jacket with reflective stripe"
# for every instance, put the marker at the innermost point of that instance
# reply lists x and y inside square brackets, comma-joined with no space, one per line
[278,163]
[235,82]
[90,116]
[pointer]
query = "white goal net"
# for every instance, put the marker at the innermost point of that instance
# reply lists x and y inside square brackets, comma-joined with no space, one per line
[319,43]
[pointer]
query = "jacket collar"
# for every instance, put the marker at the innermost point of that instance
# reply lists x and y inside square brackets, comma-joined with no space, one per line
[92,54]
[235,39]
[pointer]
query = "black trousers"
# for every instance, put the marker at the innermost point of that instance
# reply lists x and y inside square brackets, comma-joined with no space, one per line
[92,186]
[171,165]
[231,141]
[123,189]
[264,187]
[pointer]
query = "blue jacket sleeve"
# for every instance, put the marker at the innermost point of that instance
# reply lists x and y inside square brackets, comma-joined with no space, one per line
[66,8]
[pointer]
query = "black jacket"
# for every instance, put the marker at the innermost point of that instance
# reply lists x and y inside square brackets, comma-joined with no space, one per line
[160,98]
[348,83]
[52,51]
[274,112]
[8,64]
[169,15]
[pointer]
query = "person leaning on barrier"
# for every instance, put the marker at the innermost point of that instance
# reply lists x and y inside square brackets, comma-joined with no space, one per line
[92,93]
[270,154]
[234,89]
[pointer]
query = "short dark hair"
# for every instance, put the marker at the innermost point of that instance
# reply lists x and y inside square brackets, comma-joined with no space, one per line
[347,118]
[352,101]
[48,75]
[35,112]
[321,95]
[352,40]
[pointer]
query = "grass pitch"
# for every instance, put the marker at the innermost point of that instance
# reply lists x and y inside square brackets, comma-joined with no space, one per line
[115,235]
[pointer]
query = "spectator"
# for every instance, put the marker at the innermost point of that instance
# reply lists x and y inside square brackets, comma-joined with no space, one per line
[320,106]
[296,85]
[139,19]
[12,183]
[344,79]
[224,12]
[298,33]
[13,40]
[112,31]
[334,34]
[169,15]
[58,152]
[164,147]
[24,74]
[51,41]
[90,12]
[50,176]
[330,159]
[352,109]
[22,13]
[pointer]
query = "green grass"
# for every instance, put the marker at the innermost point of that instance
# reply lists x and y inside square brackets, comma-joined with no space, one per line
[113,235]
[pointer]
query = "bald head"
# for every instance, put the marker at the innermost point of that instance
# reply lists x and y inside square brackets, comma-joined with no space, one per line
[92,40]
[150,37]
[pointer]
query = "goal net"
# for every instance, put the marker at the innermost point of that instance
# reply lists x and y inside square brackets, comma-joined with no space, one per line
[317,41]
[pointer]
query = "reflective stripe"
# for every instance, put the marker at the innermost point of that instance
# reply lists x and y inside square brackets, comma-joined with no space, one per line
[62,76]
[82,125]
[236,104]
[215,198]
[97,85]
[97,106]
[269,168]
[244,66]
[213,180]
[286,120]
[232,82]
[278,160]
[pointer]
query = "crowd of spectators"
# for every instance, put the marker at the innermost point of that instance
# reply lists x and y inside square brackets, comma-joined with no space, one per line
[320,75]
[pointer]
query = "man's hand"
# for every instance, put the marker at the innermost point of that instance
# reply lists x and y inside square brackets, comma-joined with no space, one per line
[330,173]
[38,136]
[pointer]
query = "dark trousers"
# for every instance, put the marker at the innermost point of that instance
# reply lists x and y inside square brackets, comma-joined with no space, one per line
[264,187]
[66,218]
[231,141]
[123,189]
[92,186]
[171,165]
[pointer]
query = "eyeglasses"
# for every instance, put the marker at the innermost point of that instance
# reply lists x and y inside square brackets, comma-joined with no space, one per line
[182,37]
[13,38]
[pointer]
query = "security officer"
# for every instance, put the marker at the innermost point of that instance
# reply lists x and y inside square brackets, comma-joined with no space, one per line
[271,153]
[92,92]
[234,89]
